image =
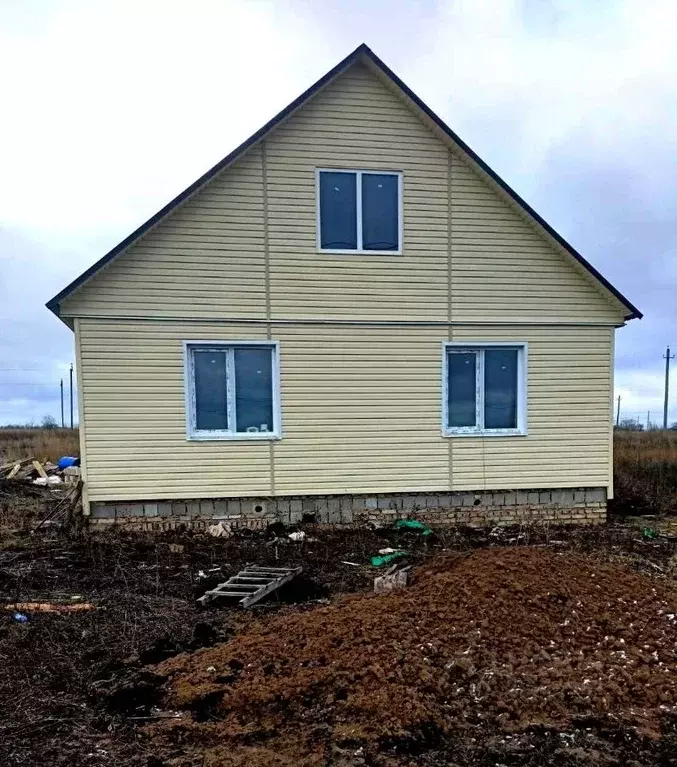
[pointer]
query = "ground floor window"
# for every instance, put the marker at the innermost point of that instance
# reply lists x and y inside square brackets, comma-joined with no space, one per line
[232,390]
[484,389]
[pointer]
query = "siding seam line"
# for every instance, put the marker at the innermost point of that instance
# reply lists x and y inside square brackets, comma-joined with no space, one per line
[348,323]
[266,277]
[450,451]
[271,443]
[266,238]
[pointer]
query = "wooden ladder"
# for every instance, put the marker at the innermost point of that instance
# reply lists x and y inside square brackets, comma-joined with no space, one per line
[252,584]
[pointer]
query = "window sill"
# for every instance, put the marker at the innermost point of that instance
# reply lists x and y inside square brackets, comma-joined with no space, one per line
[222,437]
[487,433]
[338,252]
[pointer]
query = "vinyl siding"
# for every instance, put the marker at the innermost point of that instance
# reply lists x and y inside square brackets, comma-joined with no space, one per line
[206,259]
[357,123]
[569,392]
[245,245]
[361,403]
[361,413]
[503,269]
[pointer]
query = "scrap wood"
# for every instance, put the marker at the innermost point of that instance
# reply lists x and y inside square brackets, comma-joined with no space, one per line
[15,471]
[49,607]
[38,467]
[12,466]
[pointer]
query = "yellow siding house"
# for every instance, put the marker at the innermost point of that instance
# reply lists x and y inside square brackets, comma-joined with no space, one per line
[350,318]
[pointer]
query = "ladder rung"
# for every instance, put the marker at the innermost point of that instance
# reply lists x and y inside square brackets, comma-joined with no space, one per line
[229,593]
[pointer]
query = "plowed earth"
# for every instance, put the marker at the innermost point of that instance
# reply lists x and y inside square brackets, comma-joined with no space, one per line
[487,644]
[509,648]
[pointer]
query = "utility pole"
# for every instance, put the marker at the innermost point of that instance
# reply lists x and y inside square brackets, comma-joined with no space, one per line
[71,377]
[667,359]
[63,424]
[648,419]
[618,411]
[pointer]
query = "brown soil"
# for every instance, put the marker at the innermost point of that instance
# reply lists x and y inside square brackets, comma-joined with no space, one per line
[86,688]
[496,641]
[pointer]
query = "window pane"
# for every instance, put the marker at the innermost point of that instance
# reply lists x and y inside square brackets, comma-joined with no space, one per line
[500,389]
[462,389]
[211,397]
[338,210]
[380,229]
[254,389]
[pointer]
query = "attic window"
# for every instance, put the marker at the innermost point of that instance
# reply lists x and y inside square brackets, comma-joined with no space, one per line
[232,390]
[484,389]
[359,211]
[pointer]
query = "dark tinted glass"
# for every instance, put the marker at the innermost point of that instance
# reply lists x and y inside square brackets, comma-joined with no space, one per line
[338,211]
[500,389]
[462,389]
[254,389]
[380,228]
[211,397]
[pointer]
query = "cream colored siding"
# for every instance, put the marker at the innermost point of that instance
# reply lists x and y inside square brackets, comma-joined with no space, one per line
[207,259]
[361,413]
[361,402]
[133,404]
[361,410]
[245,246]
[357,123]
[503,269]
[568,395]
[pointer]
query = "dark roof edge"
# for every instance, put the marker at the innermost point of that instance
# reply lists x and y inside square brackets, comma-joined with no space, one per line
[53,303]
[363,49]
[634,311]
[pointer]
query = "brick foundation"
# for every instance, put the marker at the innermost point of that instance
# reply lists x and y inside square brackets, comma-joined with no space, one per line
[581,506]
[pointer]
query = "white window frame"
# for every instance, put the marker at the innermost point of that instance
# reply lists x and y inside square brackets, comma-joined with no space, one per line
[359,250]
[195,434]
[479,348]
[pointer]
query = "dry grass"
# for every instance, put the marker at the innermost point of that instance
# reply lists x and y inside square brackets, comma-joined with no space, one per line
[645,472]
[43,444]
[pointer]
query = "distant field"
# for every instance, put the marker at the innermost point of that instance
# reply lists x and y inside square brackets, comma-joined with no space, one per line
[43,444]
[645,472]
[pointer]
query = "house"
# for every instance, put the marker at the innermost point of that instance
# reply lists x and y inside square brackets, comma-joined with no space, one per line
[352,317]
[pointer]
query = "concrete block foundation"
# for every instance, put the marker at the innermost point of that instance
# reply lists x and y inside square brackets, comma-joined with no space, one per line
[580,506]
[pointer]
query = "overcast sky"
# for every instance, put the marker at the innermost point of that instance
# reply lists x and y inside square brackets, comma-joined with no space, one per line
[112,107]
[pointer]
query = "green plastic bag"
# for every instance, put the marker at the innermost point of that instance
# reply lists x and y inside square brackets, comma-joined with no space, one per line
[386,558]
[413,524]
[648,533]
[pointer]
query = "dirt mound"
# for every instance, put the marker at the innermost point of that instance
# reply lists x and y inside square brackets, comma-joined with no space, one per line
[496,640]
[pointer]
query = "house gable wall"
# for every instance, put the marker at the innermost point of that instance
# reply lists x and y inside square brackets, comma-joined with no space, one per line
[245,245]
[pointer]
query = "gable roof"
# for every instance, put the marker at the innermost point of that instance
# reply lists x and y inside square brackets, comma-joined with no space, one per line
[362,52]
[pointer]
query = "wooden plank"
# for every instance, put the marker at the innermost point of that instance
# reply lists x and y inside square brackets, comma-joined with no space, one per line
[7,466]
[15,471]
[38,467]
